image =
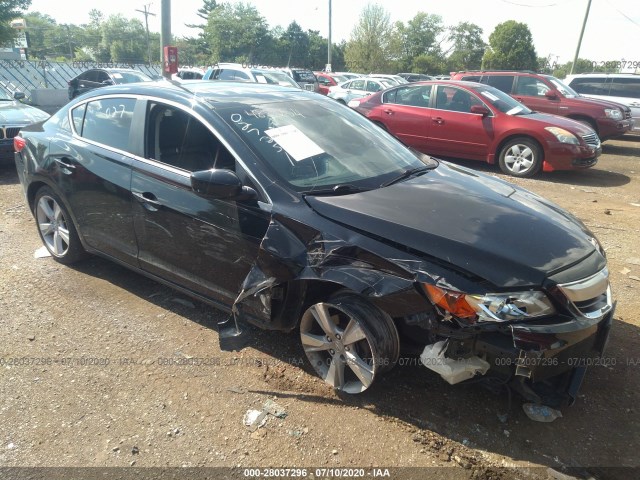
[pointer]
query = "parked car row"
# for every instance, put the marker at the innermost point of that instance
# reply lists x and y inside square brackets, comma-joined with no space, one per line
[621,88]
[545,93]
[478,122]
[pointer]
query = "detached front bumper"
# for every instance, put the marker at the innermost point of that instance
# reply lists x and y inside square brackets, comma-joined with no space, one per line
[541,351]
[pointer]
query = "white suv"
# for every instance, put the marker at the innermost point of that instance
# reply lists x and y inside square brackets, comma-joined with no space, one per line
[618,87]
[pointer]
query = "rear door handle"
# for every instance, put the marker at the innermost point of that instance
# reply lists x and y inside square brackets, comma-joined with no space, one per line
[388,111]
[438,120]
[66,167]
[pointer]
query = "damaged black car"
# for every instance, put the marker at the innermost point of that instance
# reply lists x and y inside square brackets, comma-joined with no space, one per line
[291,212]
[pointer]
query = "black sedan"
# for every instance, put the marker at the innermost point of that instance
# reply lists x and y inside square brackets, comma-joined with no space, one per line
[292,212]
[102,77]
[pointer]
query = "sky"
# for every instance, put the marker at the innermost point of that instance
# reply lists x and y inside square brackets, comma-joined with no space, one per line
[612,31]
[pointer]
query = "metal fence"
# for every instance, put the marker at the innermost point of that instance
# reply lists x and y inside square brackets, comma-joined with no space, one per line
[27,75]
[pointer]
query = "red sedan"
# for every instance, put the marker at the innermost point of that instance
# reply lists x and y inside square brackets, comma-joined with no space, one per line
[475,121]
[327,80]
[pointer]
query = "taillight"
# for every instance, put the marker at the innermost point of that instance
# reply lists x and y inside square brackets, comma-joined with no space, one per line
[19,143]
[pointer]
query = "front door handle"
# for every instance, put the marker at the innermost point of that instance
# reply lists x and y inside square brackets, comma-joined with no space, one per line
[148,199]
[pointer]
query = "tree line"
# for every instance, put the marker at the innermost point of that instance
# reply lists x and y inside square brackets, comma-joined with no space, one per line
[238,33]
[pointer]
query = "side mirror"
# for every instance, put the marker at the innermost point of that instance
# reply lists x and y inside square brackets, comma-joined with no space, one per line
[220,184]
[19,95]
[480,110]
[551,95]
[107,82]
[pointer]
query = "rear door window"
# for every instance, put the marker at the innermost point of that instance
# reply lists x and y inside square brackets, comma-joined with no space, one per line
[107,121]
[356,85]
[591,86]
[373,86]
[225,74]
[625,87]
[501,82]
[411,96]
[531,86]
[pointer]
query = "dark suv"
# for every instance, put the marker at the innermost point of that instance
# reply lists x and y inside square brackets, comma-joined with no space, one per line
[304,77]
[545,93]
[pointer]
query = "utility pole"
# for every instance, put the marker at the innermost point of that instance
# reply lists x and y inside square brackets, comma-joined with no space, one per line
[584,24]
[328,67]
[146,14]
[69,42]
[165,33]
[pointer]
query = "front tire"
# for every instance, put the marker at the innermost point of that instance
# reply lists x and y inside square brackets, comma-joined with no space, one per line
[349,341]
[520,157]
[56,228]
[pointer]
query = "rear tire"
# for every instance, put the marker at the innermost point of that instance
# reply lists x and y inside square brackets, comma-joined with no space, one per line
[349,341]
[56,229]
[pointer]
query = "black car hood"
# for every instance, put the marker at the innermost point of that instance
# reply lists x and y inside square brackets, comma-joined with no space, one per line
[483,226]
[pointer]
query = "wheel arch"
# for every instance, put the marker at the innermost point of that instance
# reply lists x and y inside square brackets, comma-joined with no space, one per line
[585,118]
[32,191]
[513,136]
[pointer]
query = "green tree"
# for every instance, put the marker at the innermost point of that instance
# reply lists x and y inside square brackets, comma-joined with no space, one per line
[198,48]
[236,32]
[92,38]
[421,36]
[511,47]
[10,10]
[467,47]
[203,12]
[40,28]
[297,44]
[124,39]
[368,48]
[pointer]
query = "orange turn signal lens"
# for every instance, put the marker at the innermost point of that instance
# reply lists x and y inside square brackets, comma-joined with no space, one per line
[453,302]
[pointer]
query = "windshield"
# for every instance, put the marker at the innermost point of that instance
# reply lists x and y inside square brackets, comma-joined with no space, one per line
[563,88]
[274,77]
[500,100]
[317,145]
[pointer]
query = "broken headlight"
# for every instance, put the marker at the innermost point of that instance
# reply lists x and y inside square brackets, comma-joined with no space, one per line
[491,307]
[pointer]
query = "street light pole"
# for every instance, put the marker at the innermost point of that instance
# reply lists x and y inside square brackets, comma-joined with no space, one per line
[584,24]
[328,67]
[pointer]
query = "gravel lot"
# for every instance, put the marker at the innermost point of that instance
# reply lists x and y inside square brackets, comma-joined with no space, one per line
[115,370]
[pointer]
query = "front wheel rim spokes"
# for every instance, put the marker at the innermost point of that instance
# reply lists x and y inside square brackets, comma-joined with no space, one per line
[332,340]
